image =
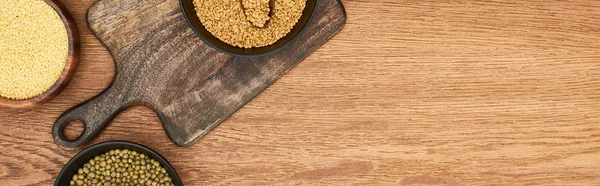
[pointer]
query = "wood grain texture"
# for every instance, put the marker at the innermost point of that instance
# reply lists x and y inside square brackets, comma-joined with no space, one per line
[163,65]
[67,73]
[408,93]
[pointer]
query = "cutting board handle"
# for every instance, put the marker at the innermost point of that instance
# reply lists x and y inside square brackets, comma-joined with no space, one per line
[95,114]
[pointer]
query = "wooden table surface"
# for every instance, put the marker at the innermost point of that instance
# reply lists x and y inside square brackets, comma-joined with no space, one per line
[409,92]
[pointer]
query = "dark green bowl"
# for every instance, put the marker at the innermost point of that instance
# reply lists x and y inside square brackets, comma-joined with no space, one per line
[66,174]
[189,11]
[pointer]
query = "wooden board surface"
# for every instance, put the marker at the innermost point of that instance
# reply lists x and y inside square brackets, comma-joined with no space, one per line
[409,92]
[162,64]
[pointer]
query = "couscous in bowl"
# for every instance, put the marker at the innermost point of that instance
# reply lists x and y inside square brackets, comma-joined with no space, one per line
[65,72]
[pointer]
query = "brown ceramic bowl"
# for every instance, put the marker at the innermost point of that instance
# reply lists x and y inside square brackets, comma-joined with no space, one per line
[68,71]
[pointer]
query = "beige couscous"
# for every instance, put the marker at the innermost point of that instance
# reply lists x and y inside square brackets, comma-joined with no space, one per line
[246,23]
[33,48]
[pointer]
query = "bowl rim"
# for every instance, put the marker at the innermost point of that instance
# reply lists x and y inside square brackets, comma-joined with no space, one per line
[68,71]
[92,149]
[197,32]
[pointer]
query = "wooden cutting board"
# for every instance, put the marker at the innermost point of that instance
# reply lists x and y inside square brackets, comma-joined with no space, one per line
[162,64]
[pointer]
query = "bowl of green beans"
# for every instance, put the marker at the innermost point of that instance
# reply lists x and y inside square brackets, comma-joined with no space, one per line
[118,163]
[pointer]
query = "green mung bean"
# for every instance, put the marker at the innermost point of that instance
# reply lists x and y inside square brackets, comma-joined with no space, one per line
[121,167]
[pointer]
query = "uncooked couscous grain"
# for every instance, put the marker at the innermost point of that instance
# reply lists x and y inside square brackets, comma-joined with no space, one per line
[33,48]
[227,20]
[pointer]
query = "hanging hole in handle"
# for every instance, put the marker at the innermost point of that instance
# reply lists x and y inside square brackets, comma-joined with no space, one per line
[74,130]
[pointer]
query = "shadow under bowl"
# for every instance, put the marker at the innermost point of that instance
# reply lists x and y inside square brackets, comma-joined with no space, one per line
[189,12]
[66,174]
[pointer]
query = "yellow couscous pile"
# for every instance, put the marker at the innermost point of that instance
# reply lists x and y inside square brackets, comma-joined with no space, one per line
[33,48]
